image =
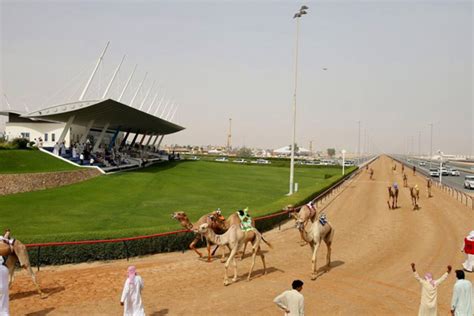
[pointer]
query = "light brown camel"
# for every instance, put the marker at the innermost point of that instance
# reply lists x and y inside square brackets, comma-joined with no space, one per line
[20,254]
[316,233]
[415,197]
[216,226]
[233,219]
[234,238]
[405,180]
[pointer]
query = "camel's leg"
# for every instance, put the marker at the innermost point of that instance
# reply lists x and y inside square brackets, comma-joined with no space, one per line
[11,261]
[208,244]
[192,246]
[388,203]
[243,251]
[231,257]
[234,262]
[254,254]
[313,260]
[33,277]
[328,241]
[262,256]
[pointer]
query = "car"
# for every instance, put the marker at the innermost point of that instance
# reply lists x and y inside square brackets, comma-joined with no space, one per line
[455,172]
[422,163]
[240,160]
[434,172]
[312,163]
[262,161]
[194,158]
[444,171]
[469,182]
[222,159]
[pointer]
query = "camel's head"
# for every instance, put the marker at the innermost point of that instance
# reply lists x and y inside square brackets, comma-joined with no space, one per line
[300,224]
[203,228]
[217,216]
[183,219]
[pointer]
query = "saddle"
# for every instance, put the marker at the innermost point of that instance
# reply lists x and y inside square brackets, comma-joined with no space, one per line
[322,219]
[312,211]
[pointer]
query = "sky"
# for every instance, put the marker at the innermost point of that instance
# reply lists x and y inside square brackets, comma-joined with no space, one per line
[395,66]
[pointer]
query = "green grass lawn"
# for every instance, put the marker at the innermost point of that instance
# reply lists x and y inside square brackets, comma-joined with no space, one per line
[141,202]
[26,161]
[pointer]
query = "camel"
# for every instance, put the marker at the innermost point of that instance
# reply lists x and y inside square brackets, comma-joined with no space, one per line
[234,238]
[415,197]
[371,173]
[405,180]
[214,225]
[392,196]
[18,253]
[429,183]
[233,219]
[317,232]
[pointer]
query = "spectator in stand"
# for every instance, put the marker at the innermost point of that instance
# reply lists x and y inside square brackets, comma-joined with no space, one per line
[91,161]
[74,151]
[81,159]
[292,301]
[132,294]
[40,142]
[63,149]
[461,303]
[56,149]
[4,298]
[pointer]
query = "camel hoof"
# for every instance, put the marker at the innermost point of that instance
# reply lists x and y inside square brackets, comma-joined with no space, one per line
[226,282]
[234,279]
[222,260]
[313,277]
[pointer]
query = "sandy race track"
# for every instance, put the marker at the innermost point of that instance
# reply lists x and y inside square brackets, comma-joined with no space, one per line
[371,275]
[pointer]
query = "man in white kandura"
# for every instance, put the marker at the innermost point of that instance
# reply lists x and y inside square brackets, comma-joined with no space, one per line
[462,301]
[4,310]
[292,301]
[429,292]
[132,294]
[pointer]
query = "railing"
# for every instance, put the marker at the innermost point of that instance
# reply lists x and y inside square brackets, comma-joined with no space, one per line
[460,196]
[262,222]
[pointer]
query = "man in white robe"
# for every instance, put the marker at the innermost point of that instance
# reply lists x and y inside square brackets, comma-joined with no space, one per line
[462,301]
[131,295]
[292,301]
[429,292]
[468,249]
[4,299]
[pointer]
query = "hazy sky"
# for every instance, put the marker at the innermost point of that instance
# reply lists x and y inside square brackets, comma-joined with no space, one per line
[396,66]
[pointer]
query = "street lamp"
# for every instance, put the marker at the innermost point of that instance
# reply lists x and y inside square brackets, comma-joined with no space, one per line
[302,11]
[440,166]
[343,160]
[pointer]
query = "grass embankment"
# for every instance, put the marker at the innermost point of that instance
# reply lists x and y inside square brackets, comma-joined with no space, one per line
[140,202]
[31,161]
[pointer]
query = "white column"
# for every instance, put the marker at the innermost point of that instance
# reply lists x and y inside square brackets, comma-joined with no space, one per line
[101,136]
[66,129]
[88,128]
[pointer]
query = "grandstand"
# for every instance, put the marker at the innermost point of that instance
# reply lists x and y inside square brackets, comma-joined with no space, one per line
[105,133]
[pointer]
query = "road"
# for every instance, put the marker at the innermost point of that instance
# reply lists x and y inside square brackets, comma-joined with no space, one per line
[454,181]
[370,275]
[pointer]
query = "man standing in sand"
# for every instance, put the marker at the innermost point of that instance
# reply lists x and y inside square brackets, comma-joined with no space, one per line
[429,292]
[461,303]
[292,301]
[132,294]
[4,309]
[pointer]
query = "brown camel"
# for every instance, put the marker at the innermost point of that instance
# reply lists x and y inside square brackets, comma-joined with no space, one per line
[429,184]
[20,254]
[415,197]
[392,196]
[234,238]
[405,180]
[318,231]
[186,223]
[371,173]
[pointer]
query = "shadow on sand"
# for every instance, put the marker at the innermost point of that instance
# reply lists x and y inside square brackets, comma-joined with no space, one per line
[325,269]
[48,292]
[42,312]
[161,312]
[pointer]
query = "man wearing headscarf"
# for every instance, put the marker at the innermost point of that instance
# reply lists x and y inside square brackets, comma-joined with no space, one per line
[468,249]
[131,295]
[429,292]
[4,309]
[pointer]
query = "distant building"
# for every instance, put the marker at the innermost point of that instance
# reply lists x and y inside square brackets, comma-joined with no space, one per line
[286,151]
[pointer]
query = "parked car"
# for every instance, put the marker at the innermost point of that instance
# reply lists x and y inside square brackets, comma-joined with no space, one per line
[455,172]
[312,163]
[434,172]
[422,163]
[194,158]
[261,161]
[240,160]
[222,159]
[469,182]
[444,171]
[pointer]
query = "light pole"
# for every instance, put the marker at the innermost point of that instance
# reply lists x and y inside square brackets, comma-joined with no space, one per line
[440,166]
[302,11]
[431,142]
[358,145]
[343,160]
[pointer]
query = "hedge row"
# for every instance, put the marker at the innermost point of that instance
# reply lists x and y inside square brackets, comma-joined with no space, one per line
[54,255]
